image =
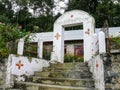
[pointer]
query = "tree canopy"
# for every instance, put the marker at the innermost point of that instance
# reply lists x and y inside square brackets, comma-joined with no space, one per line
[20,16]
[101,10]
[38,15]
[9,32]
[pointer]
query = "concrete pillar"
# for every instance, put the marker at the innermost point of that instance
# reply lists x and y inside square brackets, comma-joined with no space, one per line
[20,47]
[58,43]
[40,48]
[95,46]
[102,43]
[88,31]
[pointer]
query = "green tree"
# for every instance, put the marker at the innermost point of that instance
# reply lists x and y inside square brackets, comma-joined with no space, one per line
[85,5]
[6,12]
[9,32]
[4,19]
[107,10]
[101,10]
[41,24]
[42,17]
[21,17]
[42,7]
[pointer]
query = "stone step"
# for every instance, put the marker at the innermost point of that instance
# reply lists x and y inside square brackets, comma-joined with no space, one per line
[115,69]
[14,89]
[116,63]
[109,86]
[62,64]
[36,86]
[64,81]
[1,88]
[2,81]
[64,74]
[65,68]
[75,63]
[82,64]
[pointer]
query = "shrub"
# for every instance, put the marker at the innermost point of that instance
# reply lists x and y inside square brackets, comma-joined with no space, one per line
[73,58]
[9,32]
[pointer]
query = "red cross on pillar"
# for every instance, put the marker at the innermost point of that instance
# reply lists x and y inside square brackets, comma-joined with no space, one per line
[97,65]
[57,36]
[87,32]
[19,64]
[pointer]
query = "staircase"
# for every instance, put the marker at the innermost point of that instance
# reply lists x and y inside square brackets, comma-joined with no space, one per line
[66,76]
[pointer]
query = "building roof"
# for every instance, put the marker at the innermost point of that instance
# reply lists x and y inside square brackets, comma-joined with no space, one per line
[72,34]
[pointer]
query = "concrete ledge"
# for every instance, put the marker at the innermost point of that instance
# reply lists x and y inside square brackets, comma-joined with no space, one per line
[56,87]
[115,51]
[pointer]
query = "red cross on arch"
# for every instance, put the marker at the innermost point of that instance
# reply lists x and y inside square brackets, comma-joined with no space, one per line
[19,64]
[87,32]
[57,36]
[71,16]
[97,65]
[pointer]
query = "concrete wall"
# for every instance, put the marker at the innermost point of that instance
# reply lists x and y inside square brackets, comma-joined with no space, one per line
[21,66]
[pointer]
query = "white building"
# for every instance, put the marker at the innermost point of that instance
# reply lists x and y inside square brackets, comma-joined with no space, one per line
[73,40]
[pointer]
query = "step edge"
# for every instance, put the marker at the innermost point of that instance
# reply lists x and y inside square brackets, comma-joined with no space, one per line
[55,86]
[64,78]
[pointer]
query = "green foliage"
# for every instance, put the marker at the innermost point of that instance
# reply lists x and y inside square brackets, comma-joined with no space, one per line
[101,10]
[4,19]
[40,24]
[115,42]
[30,49]
[6,11]
[42,15]
[46,53]
[73,58]
[9,33]
[85,5]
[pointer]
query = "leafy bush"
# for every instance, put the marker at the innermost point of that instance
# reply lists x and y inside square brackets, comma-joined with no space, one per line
[115,42]
[73,58]
[9,32]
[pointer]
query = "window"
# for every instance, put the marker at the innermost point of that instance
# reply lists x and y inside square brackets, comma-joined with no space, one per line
[65,49]
[77,27]
[78,50]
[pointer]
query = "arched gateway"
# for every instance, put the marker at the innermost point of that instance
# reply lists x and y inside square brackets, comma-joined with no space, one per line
[72,18]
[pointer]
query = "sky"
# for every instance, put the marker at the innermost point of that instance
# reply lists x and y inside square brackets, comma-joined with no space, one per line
[61,5]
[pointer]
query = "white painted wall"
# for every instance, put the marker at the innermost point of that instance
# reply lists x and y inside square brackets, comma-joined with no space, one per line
[20,47]
[72,35]
[29,66]
[97,69]
[72,18]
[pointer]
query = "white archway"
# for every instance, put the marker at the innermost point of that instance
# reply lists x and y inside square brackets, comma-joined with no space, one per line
[71,18]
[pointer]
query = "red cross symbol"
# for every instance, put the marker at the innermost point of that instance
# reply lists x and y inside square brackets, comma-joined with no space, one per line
[19,64]
[97,65]
[87,32]
[71,16]
[57,36]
